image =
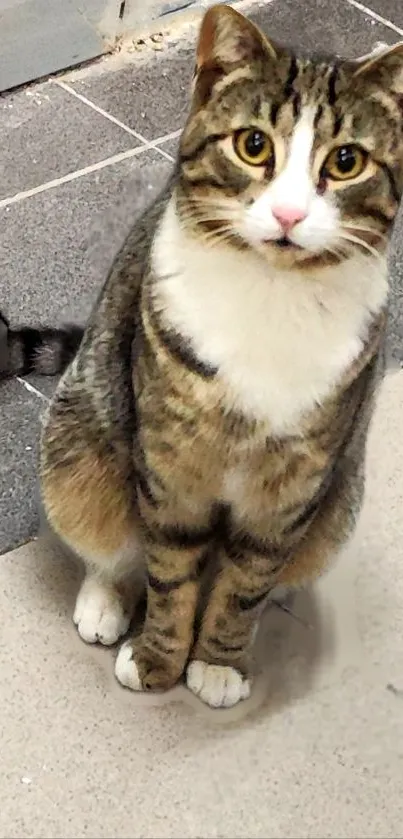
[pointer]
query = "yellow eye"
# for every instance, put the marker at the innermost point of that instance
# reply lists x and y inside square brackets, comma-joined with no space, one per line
[254,147]
[345,163]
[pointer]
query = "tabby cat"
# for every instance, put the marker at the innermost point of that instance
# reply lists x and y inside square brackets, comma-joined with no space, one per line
[209,437]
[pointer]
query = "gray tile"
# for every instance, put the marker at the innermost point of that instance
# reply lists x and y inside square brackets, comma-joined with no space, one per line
[45,385]
[56,247]
[335,28]
[395,325]
[46,132]
[19,425]
[59,246]
[171,147]
[389,9]
[129,93]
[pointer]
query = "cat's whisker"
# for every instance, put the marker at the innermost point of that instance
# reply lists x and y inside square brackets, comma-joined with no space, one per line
[355,240]
[364,229]
[197,215]
[210,201]
[219,234]
[339,254]
[221,210]
[206,219]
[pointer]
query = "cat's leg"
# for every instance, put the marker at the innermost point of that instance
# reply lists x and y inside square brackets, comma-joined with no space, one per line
[175,548]
[218,671]
[109,594]
[88,502]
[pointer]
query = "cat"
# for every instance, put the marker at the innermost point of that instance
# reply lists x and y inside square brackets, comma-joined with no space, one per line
[208,440]
[42,350]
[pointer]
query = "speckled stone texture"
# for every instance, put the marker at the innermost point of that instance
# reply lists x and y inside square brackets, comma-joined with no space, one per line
[316,752]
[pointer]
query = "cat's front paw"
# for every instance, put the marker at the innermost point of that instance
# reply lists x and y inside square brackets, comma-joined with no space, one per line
[217,686]
[138,668]
[126,670]
[100,613]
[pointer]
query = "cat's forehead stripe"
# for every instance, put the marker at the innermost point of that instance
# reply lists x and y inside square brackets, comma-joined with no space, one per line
[292,75]
[331,87]
[302,139]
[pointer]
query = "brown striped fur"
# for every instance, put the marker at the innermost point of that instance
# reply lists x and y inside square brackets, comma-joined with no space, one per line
[148,462]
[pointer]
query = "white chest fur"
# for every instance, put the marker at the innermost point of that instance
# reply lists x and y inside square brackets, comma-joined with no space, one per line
[281,340]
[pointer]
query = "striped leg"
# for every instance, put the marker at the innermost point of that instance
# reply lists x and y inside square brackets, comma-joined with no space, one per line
[156,659]
[218,671]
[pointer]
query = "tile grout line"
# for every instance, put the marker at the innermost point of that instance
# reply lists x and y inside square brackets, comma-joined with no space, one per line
[31,389]
[375,16]
[71,176]
[101,111]
[93,167]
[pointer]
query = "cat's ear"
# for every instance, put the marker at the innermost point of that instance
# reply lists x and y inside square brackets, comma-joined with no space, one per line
[384,67]
[227,38]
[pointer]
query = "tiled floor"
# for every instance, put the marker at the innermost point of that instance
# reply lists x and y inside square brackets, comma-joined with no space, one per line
[76,165]
[317,750]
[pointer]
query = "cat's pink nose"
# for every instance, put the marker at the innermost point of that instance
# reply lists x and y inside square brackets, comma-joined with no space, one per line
[288,217]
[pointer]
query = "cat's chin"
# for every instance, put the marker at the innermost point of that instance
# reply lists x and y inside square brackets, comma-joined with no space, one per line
[287,255]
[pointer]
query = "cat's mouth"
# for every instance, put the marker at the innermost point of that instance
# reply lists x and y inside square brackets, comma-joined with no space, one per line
[289,253]
[285,243]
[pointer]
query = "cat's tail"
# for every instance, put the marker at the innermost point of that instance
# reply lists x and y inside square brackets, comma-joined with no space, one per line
[43,350]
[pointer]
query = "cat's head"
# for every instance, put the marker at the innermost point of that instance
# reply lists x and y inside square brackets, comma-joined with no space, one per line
[298,158]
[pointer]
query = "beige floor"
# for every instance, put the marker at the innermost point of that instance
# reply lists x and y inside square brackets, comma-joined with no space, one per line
[318,752]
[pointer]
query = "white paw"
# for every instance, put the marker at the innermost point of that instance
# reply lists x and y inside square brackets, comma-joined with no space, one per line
[219,687]
[99,614]
[126,668]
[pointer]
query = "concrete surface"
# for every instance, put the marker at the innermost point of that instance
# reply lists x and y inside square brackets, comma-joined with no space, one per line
[316,752]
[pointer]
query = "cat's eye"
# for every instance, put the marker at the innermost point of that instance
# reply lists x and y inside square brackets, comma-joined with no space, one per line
[345,163]
[254,147]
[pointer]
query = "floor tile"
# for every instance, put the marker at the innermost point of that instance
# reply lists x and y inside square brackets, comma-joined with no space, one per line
[316,752]
[59,247]
[45,385]
[395,323]
[46,133]
[171,146]
[129,93]
[390,9]
[56,247]
[19,428]
[313,25]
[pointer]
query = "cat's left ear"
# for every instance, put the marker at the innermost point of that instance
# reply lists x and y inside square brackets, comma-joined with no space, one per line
[384,67]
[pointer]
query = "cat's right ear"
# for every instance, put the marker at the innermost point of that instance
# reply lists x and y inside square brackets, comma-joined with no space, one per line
[227,40]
